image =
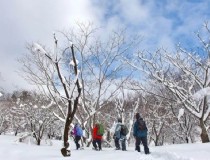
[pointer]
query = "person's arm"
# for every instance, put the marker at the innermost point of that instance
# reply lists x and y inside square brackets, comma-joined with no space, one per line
[94,133]
[118,128]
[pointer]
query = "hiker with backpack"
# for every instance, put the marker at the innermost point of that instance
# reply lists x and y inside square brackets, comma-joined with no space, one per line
[97,135]
[120,135]
[77,133]
[140,133]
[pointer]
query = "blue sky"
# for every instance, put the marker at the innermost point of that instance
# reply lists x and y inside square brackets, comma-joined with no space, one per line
[162,23]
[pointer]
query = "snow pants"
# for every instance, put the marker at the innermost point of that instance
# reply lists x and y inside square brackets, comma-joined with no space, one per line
[117,143]
[144,142]
[77,139]
[97,144]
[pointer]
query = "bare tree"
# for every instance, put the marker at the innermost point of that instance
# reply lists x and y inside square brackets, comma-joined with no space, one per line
[5,116]
[48,72]
[102,72]
[4,120]
[162,67]
[32,112]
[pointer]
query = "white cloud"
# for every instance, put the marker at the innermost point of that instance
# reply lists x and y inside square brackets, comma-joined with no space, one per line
[134,12]
[27,21]
[162,23]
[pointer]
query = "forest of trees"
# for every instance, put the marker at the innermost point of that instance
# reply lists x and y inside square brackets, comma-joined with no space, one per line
[86,78]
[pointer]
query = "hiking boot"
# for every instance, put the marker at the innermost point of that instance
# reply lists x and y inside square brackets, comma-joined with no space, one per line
[137,149]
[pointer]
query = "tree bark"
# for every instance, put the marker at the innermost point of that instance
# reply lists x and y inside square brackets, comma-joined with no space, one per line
[204,134]
[38,141]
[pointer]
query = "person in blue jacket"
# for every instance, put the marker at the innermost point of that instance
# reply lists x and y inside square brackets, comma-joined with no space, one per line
[140,133]
[78,133]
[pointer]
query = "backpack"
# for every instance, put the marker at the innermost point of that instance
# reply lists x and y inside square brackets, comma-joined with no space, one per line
[79,131]
[100,130]
[141,125]
[124,130]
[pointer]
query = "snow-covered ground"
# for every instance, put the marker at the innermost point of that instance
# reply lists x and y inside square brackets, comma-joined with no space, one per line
[11,150]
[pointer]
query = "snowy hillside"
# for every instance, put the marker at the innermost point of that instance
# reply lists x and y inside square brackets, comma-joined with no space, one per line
[11,150]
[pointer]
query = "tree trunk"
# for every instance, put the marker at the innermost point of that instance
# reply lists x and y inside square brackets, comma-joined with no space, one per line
[66,135]
[204,134]
[108,137]
[16,132]
[156,141]
[38,141]
[162,140]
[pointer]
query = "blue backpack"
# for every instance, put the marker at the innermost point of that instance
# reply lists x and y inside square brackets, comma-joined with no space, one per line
[79,131]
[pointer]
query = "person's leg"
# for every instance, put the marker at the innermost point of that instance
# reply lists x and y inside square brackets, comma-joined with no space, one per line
[94,144]
[144,141]
[116,141]
[77,138]
[99,144]
[76,142]
[138,140]
[123,142]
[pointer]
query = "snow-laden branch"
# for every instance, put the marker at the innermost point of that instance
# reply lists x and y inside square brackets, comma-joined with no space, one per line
[181,113]
[201,94]
[37,48]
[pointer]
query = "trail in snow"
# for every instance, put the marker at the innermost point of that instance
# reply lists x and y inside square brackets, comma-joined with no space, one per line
[11,150]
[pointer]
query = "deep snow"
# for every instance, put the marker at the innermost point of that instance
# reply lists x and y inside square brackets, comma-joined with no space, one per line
[11,150]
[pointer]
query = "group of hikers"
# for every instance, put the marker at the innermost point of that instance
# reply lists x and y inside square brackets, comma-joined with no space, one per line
[120,132]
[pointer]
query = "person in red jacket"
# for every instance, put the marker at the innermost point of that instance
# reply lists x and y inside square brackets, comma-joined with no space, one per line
[96,138]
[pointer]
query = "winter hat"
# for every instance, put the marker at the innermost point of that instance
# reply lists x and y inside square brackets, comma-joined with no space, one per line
[137,116]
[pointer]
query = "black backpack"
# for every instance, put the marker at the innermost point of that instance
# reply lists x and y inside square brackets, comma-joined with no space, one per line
[124,130]
[141,124]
